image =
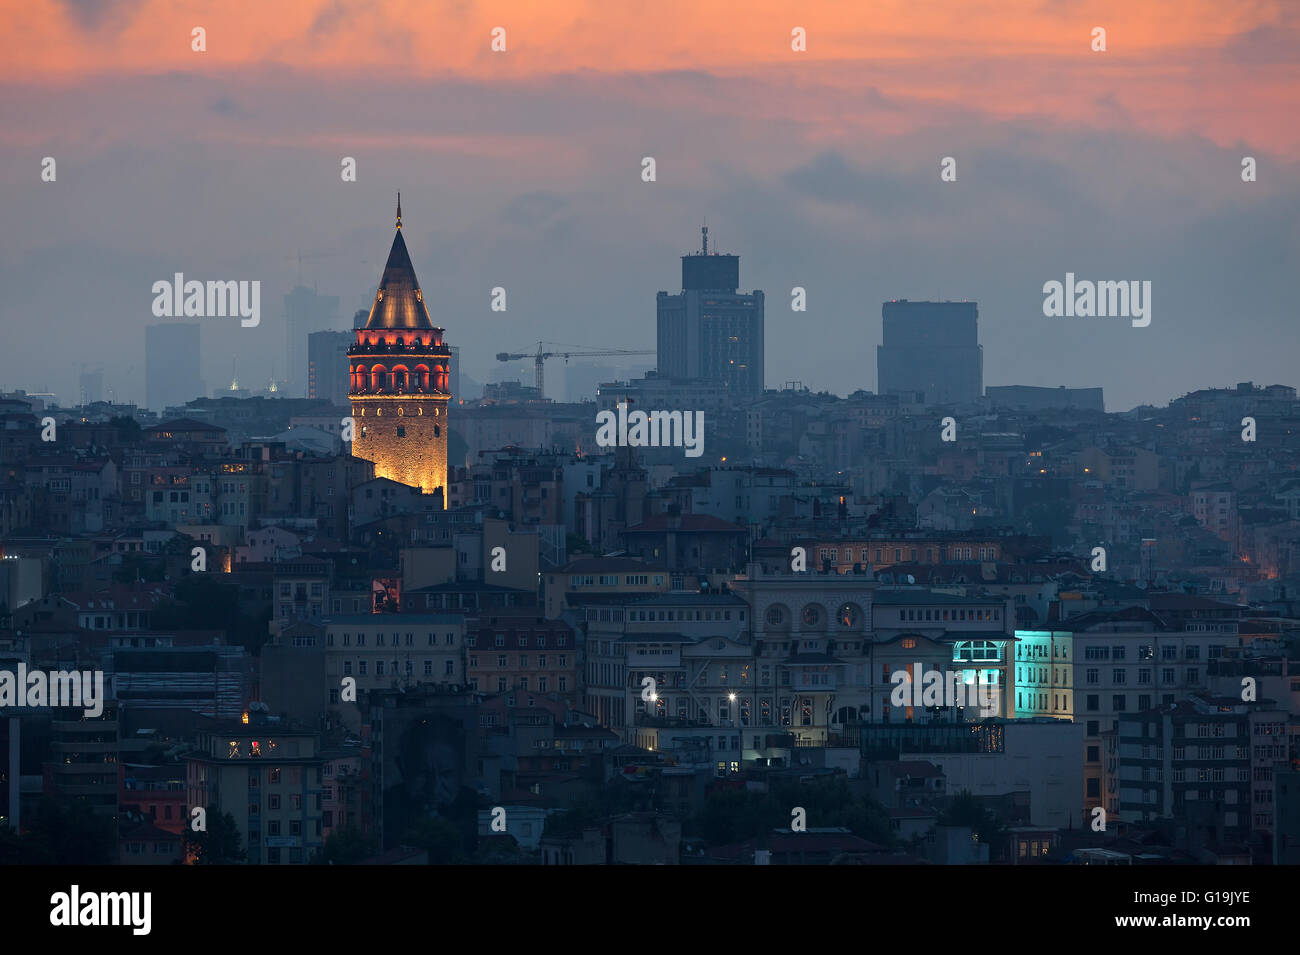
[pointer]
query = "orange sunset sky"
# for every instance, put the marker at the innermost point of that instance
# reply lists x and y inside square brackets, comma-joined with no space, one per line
[520,169]
[1225,70]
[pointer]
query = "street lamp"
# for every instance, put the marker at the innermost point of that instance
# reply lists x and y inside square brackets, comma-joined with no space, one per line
[735,717]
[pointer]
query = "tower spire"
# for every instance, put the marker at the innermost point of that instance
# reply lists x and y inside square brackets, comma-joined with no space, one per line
[704,232]
[399,210]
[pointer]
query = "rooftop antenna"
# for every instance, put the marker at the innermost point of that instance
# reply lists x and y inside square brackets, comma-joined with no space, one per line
[705,232]
[399,210]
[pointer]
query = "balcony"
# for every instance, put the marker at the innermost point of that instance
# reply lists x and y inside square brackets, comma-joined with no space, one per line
[830,740]
[87,790]
[668,722]
[84,746]
[813,685]
[96,726]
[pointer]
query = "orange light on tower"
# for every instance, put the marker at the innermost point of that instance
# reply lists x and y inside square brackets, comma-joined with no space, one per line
[400,374]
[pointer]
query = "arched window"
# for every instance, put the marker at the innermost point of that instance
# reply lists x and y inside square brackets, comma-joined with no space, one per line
[976,651]
[378,378]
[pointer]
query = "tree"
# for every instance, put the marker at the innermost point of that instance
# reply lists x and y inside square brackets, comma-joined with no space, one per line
[499,850]
[61,833]
[581,814]
[966,810]
[219,845]
[18,849]
[127,428]
[345,846]
[140,567]
[733,815]
[577,544]
[206,602]
[1050,518]
[440,838]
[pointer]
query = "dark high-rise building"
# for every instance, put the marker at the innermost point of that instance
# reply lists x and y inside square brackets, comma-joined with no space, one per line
[305,312]
[327,366]
[710,330]
[171,365]
[1034,398]
[931,347]
[90,384]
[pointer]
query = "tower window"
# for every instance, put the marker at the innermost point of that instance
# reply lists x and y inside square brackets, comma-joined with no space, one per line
[437,432]
[401,431]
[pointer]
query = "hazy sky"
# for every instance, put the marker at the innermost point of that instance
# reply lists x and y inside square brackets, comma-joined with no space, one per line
[523,170]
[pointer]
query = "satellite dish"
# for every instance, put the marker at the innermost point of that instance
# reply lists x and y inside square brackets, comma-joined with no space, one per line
[911,579]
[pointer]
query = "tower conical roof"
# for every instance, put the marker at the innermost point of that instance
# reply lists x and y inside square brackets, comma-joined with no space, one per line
[399,303]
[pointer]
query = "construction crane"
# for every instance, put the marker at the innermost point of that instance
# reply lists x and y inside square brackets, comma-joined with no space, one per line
[541,355]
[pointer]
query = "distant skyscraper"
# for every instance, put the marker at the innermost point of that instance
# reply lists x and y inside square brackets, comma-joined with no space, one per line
[171,365]
[582,380]
[91,386]
[304,312]
[710,330]
[931,347]
[455,372]
[1033,398]
[327,366]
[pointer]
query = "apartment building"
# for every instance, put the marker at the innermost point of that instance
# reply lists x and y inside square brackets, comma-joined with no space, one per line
[1209,760]
[384,650]
[1129,661]
[268,777]
[528,655]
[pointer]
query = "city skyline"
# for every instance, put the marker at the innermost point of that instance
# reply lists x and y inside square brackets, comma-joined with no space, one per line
[821,168]
[399,465]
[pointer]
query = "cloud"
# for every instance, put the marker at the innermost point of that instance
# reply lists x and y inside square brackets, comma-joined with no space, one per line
[225,106]
[819,173]
[1265,44]
[533,209]
[93,16]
